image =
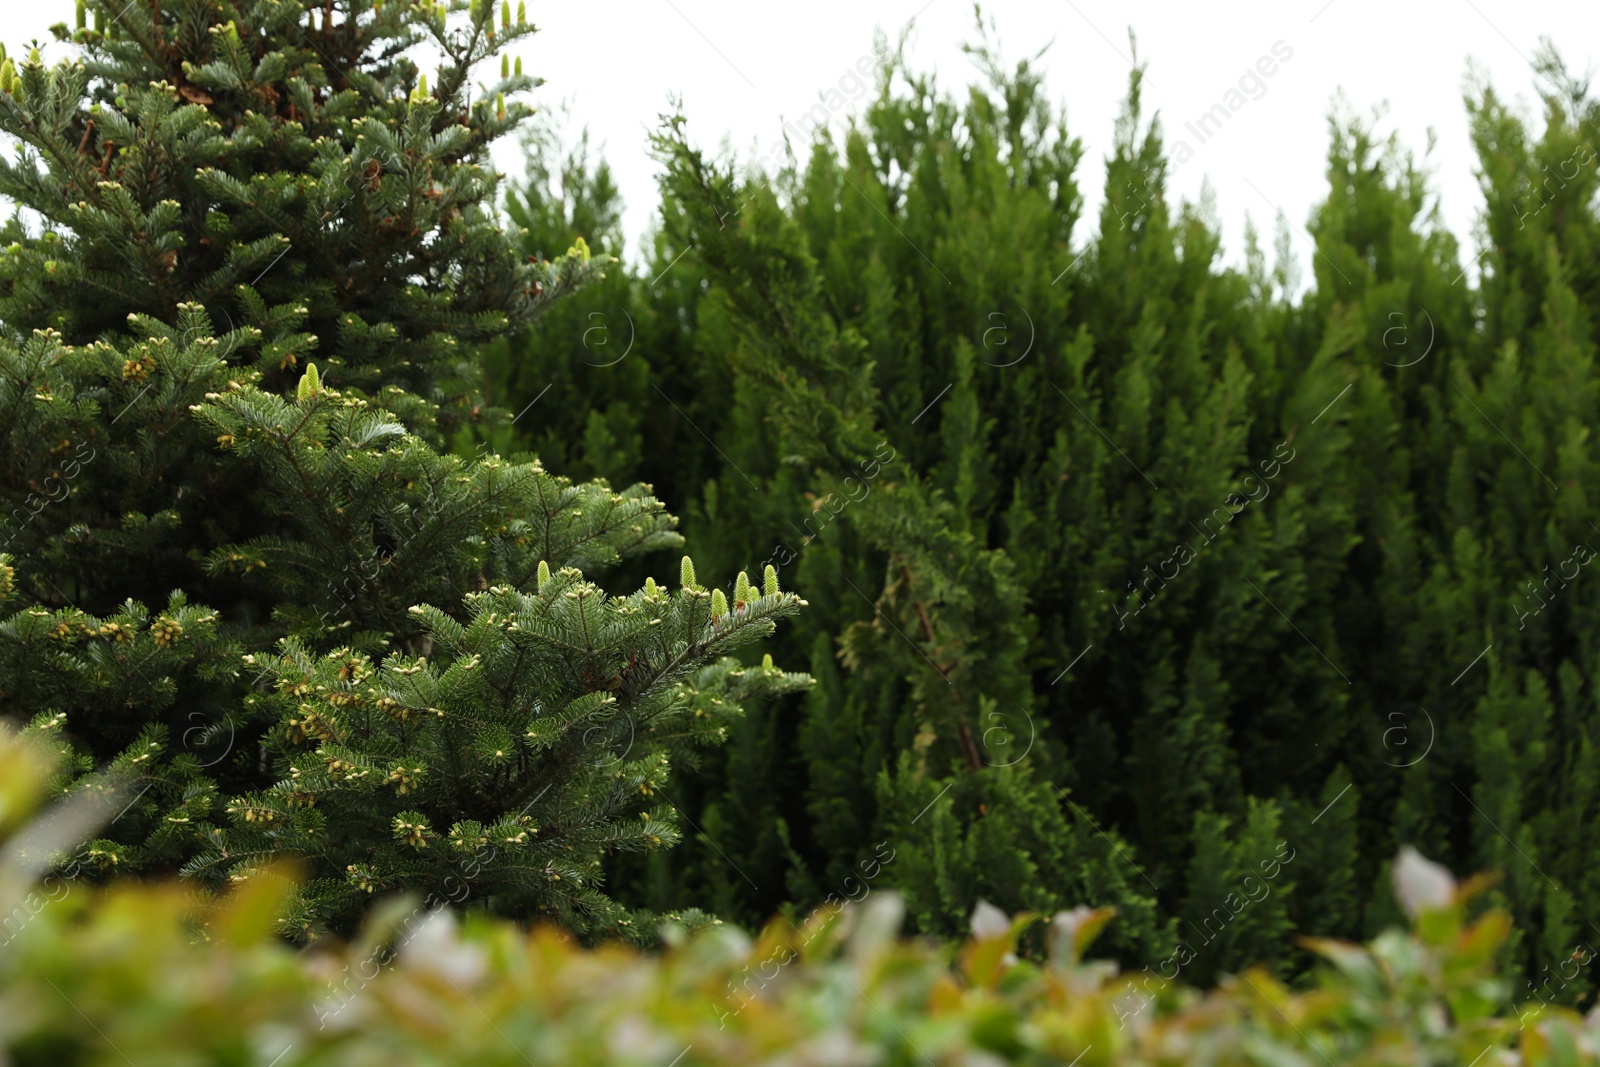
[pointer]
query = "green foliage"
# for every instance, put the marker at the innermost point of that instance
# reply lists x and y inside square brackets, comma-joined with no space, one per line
[1199,551]
[253,582]
[192,150]
[420,988]
[541,727]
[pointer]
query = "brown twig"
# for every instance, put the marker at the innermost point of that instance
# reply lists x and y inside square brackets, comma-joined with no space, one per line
[964,741]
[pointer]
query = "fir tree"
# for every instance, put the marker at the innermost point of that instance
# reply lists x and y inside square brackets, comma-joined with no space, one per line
[362,652]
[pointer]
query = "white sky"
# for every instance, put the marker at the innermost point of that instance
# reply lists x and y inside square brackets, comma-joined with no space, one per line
[743,67]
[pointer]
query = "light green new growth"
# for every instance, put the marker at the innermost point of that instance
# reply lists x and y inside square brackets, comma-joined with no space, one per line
[310,383]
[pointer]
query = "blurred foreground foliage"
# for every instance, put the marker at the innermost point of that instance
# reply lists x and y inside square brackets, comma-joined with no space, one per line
[148,974]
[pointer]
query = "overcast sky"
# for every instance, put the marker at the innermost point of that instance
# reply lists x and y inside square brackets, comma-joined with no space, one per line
[742,67]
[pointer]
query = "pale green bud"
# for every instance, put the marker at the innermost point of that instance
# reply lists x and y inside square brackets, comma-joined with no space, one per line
[310,383]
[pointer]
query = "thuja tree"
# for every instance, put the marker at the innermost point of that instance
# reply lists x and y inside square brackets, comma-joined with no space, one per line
[1373,483]
[922,740]
[261,591]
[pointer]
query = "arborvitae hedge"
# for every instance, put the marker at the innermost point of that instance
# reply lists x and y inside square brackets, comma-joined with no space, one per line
[1126,566]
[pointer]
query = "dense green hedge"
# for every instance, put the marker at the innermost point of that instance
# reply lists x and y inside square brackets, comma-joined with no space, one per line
[1188,554]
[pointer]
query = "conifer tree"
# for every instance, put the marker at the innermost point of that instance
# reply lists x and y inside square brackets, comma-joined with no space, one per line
[259,245]
[943,647]
[1380,630]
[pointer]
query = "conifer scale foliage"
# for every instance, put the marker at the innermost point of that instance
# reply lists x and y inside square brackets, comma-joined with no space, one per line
[1174,564]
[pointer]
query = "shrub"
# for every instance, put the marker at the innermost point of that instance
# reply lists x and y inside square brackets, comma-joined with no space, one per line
[117,977]
[1181,547]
